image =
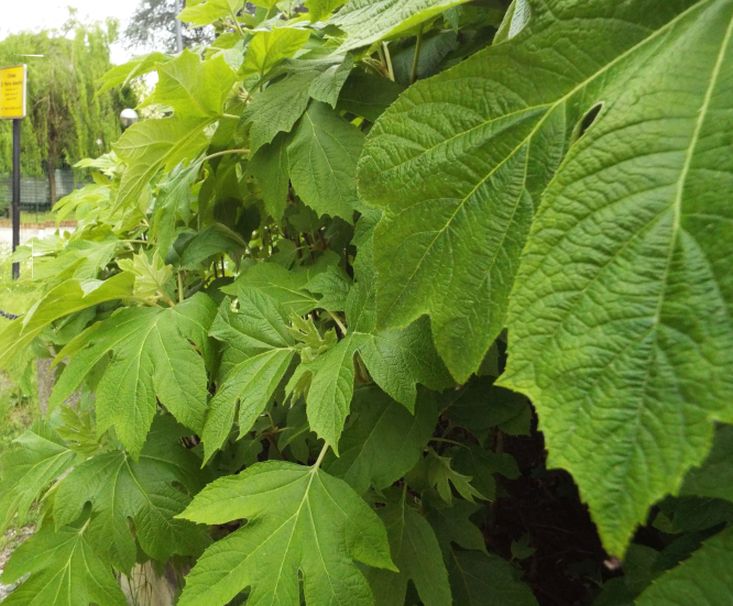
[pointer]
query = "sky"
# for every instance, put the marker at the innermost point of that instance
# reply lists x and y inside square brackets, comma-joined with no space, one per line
[24,15]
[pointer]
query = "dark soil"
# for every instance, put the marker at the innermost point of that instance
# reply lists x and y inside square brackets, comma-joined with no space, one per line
[542,508]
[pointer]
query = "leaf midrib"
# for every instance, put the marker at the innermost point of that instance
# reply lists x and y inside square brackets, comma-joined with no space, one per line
[676,226]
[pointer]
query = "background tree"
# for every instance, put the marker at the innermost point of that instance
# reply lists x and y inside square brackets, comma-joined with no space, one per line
[153,25]
[67,119]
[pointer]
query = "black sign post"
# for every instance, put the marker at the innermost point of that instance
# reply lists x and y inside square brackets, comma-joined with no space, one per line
[16,194]
[13,85]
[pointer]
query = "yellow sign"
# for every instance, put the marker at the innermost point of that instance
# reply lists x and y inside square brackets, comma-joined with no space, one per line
[12,92]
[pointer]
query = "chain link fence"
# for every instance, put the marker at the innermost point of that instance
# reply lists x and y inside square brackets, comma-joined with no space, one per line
[35,195]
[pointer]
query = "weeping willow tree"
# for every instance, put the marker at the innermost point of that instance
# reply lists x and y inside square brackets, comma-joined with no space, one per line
[67,119]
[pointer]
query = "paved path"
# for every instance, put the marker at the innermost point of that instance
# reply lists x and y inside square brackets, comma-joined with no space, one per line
[11,540]
[26,233]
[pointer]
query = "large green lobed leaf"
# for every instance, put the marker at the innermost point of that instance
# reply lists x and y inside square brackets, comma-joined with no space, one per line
[417,554]
[209,11]
[301,522]
[258,337]
[268,48]
[714,478]
[64,570]
[397,361]
[196,91]
[460,160]
[153,359]
[619,320]
[322,162]
[71,296]
[192,87]
[704,579]
[383,441]
[27,469]
[367,21]
[134,502]
[624,285]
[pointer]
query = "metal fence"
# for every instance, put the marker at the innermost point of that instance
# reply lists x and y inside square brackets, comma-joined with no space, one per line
[35,194]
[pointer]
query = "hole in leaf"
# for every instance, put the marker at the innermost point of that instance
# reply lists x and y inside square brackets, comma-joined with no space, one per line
[588,120]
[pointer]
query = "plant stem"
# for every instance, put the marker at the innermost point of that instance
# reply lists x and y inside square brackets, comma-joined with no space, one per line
[499,443]
[339,323]
[321,456]
[180,286]
[170,302]
[416,58]
[388,60]
[447,441]
[83,529]
[218,154]
[236,23]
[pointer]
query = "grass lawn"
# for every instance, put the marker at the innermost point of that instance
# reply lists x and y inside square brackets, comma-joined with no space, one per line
[42,218]
[18,404]
[15,296]
[18,397]
[17,411]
